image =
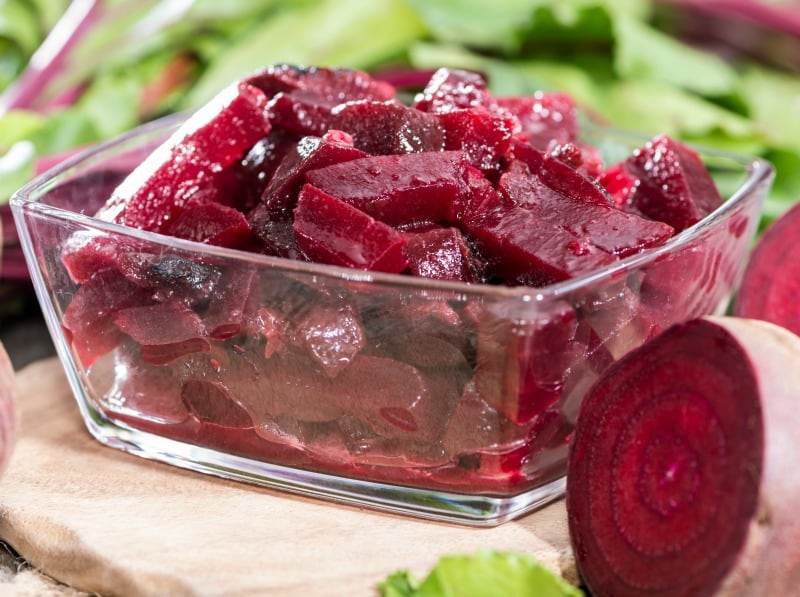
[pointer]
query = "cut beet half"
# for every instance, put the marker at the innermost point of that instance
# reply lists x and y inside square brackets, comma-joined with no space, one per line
[771,283]
[210,140]
[682,479]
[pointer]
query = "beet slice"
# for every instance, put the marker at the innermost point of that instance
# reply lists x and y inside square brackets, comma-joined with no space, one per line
[771,282]
[681,478]
[164,331]
[483,136]
[206,143]
[400,189]
[212,223]
[674,185]
[331,231]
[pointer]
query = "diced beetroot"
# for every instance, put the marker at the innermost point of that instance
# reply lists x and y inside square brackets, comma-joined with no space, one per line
[210,140]
[332,336]
[304,106]
[88,317]
[169,275]
[211,402]
[452,89]
[556,174]
[674,185]
[483,136]
[441,254]
[385,128]
[165,331]
[393,398]
[521,365]
[309,154]
[212,223]
[275,79]
[400,189]
[268,324]
[86,252]
[586,159]
[331,231]
[482,197]
[274,231]
[610,229]
[522,248]
[473,425]
[620,185]
[260,163]
[544,118]
[225,313]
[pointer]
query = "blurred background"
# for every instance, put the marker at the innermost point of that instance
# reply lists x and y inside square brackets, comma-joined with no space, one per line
[717,73]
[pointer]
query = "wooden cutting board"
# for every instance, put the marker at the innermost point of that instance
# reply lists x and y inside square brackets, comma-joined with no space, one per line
[108,522]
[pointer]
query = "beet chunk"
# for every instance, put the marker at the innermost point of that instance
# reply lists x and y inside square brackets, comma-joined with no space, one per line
[610,229]
[674,185]
[771,283]
[309,154]
[211,402]
[385,128]
[399,189]
[545,118]
[441,254]
[679,480]
[210,140]
[213,224]
[484,137]
[164,331]
[452,89]
[521,248]
[331,231]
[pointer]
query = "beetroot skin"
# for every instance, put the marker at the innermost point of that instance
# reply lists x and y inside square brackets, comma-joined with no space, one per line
[681,477]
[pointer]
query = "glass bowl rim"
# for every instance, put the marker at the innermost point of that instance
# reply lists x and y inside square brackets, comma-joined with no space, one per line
[758,170]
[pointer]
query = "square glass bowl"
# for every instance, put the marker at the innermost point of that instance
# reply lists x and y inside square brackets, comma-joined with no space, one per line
[438,399]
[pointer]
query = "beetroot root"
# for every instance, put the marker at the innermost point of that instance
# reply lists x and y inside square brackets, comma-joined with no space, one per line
[8,421]
[682,474]
[771,281]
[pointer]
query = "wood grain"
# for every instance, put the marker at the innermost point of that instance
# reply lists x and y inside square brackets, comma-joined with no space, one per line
[111,523]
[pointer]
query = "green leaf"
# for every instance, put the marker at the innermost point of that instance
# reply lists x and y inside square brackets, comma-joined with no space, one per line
[645,53]
[484,574]
[773,102]
[349,33]
[20,24]
[653,107]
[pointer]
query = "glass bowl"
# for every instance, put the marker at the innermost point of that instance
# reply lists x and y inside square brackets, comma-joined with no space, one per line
[444,400]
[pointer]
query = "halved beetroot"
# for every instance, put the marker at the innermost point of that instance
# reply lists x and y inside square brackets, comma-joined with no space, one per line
[331,231]
[674,187]
[770,286]
[399,189]
[681,478]
[164,331]
[196,153]
[385,128]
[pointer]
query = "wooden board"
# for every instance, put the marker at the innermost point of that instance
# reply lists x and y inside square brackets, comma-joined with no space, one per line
[108,522]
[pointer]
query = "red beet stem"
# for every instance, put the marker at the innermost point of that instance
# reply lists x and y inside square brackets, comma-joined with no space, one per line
[677,484]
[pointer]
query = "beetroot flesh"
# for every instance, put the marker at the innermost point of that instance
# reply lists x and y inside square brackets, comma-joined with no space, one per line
[679,478]
[771,281]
